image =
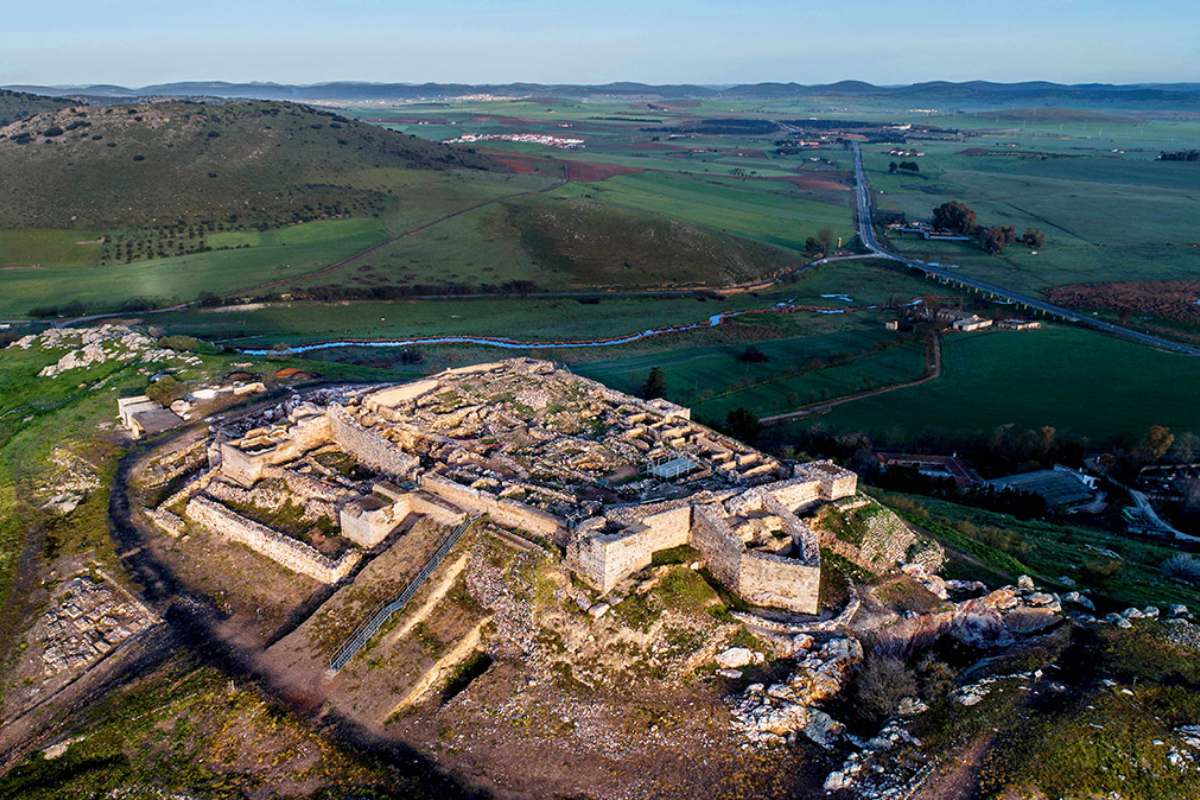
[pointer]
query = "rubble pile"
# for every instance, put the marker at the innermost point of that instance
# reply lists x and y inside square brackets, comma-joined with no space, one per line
[997,619]
[775,713]
[88,619]
[91,346]
[71,482]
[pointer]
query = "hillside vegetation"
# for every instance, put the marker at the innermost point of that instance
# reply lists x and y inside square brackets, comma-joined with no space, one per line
[246,163]
[21,105]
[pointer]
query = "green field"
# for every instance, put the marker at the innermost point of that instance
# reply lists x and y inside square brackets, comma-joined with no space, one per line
[1080,382]
[1106,216]
[772,212]
[282,254]
[36,247]
[712,380]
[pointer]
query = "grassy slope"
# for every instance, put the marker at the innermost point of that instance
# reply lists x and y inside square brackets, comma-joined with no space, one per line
[36,247]
[198,162]
[772,212]
[277,254]
[564,244]
[1000,547]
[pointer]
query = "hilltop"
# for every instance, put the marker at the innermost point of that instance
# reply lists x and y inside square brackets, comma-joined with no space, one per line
[21,105]
[250,162]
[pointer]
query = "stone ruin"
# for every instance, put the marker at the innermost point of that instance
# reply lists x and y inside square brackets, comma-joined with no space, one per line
[607,478]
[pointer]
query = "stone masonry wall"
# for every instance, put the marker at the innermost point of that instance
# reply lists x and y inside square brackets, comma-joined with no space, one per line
[367,446]
[720,546]
[506,513]
[290,553]
[366,526]
[766,579]
[604,559]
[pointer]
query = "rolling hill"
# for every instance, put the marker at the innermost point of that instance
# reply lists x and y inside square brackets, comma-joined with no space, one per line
[21,105]
[251,163]
[981,93]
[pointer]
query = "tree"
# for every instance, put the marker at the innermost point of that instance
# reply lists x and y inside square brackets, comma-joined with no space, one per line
[743,424]
[812,246]
[910,166]
[1158,441]
[826,238]
[954,216]
[655,385]
[1033,238]
[991,240]
[883,682]
[752,355]
[892,167]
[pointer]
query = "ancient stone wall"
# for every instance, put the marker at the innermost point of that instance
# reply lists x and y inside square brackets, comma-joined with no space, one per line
[836,482]
[795,493]
[720,546]
[503,512]
[808,546]
[604,559]
[290,553]
[367,522]
[367,446]
[766,579]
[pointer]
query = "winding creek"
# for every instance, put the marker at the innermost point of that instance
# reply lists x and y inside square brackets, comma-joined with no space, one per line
[509,343]
[518,344]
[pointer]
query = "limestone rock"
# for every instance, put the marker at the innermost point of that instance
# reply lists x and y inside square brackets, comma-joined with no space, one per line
[735,657]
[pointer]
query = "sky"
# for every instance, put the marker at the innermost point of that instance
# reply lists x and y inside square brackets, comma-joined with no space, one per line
[140,42]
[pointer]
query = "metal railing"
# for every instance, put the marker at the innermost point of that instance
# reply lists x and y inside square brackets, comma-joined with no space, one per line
[385,611]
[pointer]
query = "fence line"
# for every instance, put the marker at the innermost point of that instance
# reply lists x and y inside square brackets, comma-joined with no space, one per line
[385,611]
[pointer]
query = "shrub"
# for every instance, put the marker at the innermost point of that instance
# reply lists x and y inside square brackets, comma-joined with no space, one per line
[1182,567]
[752,355]
[1099,572]
[880,686]
[165,390]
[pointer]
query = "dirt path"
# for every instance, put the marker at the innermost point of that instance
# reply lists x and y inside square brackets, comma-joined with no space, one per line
[933,371]
[957,780]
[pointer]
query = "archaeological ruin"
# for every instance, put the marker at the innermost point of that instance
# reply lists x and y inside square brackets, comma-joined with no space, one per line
[604,478]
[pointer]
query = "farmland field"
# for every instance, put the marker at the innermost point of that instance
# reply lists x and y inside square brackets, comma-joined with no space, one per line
[34,247]
[1079,382]
[286,253]
[1107,216]
[713,380]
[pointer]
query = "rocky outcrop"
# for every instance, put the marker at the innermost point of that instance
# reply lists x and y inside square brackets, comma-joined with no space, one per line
[997,619]
[773,714]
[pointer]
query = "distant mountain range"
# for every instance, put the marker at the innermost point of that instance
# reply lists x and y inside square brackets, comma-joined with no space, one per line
[968,93]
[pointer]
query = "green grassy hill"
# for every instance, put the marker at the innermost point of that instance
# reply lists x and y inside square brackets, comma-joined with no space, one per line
[252,163]
[20,105]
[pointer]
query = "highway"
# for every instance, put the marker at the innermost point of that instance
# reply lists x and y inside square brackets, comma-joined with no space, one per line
[866,232]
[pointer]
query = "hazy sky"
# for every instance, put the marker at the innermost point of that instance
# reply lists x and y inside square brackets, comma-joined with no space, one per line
[137,42]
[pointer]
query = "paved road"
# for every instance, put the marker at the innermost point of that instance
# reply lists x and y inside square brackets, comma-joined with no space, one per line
[866,233]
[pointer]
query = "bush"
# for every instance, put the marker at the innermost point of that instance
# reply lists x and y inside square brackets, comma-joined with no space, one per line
[165,390]
[1182,567]
[880,686]
[1100,572]
[752,355]
[741,423]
